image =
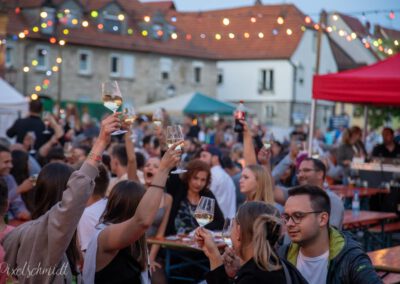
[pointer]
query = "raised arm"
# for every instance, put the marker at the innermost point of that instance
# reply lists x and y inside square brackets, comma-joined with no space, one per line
[63,217]
[248,147]
[117,236]
[130,152]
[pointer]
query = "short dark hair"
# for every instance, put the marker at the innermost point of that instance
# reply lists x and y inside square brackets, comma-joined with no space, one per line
[55,153]
[140,160]
[151,139]
[318,165]
[101,181]
[319,198]
[35,106]
[388,129]
[86,149]
[4,149]
[3,197]
[119,152]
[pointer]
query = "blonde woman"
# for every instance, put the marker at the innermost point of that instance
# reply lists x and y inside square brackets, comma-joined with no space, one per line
[256,184]
[256,229]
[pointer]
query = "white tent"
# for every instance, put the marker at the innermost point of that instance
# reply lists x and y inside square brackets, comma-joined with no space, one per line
[173,105]
[12,106]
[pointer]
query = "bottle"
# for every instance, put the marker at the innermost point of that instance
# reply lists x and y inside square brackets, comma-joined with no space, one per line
[355,204]
[239,115]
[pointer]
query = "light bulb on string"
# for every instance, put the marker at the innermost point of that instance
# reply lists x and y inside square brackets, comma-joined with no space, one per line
[218,36]
[260,35]
[26,69]
[85,24]
[147,19]
[253,19]
[289,32]
[280,20]
[246,35]
[307,19]
[174,35]
[43,15]
[391,15]
[231,35]
[226,21]
[34,97]
[94,14]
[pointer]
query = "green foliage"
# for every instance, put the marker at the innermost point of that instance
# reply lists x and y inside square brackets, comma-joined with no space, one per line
[378,116]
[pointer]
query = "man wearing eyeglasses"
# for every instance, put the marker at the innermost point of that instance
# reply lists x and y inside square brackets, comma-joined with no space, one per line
[320,252]
[312,172]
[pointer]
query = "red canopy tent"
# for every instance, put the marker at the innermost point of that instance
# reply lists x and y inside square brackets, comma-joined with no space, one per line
[377,84]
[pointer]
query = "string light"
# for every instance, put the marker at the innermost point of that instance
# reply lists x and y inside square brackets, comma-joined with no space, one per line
[35,62]
[61,42]
[21,35]
[85,24]
[145,33]
[74,21]
[38,88]
[246,35]
[316,26]
[26,69]
[174,35]
[34,97]
[59,60]
[121,17]
[53,40]
[43,25]
[188,37]
[307,20]
[54,68]
[391,15]
[43,14]
[17,10]
[160,33]
[353,35]
[147,19]
[253,19]
[94,14]
[218,36]
[335,17]
[289,32]
[280,20]
[390,51]
[130,31]
[231,35]
[226,21]
[260,35]
[100,26]
[35,29]
[329,29]
[396,42]
[65,31]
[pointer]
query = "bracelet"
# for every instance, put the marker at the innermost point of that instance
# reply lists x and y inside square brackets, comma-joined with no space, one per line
[158,186]
[95,157]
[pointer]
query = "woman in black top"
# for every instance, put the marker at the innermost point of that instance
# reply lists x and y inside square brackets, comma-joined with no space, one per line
[255,232]
[186,194]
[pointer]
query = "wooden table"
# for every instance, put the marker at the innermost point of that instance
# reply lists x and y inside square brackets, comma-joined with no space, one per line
[365,218]
[177,246]
[348,192]
[386,259]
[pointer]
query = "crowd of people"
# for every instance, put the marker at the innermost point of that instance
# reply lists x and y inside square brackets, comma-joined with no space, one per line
[76,200]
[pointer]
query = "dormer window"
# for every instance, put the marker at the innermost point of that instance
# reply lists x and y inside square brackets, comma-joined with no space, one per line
[70,14]
[113,19]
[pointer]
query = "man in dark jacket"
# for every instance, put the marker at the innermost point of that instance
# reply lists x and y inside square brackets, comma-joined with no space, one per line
[321,253]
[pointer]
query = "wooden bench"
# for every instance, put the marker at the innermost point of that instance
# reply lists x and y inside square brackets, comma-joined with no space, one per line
[388,230]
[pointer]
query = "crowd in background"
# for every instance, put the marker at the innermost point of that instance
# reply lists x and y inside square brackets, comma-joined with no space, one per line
[252,171]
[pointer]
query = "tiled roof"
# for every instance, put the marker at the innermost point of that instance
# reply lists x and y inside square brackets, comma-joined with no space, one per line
[355,25]
[343,60]
[382,32]
[278,46]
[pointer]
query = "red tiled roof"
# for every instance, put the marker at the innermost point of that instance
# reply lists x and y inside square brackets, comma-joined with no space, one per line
[280,46]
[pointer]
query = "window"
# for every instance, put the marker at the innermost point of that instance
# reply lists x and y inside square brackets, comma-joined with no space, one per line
[111,22]
[115,65]
[122,66]
[269,111]
[46,28]
[85,62]
[9,56]
[266,81]
[166,67]
[220,77]
[71,18]
[197,67]
[197,74]
[42,56]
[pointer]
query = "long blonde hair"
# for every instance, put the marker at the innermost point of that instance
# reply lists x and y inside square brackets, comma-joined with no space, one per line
[265,185]
[261,226]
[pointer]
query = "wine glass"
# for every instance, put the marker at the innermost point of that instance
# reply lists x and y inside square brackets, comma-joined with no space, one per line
[204,212]
[173,135]
[46,122]
[129,114]
[226,231]
[112,99]
[158,117]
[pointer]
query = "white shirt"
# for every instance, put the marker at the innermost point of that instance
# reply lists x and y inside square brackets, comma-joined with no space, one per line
[313,269]
[89,220]
[223,188]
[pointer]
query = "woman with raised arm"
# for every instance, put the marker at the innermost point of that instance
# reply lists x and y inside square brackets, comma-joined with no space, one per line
[117,252]
[44,250]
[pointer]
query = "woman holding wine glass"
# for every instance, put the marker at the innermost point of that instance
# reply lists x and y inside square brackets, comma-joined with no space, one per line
[187,193]
[112,99]
[255,232]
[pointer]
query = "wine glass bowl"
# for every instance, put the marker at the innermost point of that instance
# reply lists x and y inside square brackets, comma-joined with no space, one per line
[174,134]
[226,231]
[158,117]
[204,212]
[112,99]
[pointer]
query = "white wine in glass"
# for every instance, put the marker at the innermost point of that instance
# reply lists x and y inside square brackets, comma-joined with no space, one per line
[112,99]
[226,232]
[129,114]
[175,134]
[204,212]
[158,117]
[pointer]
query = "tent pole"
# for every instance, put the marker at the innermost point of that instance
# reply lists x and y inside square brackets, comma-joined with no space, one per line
[312,127]
[365,124]
[322,22]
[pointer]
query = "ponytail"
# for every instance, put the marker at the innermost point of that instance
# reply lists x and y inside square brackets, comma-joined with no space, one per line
[266,230]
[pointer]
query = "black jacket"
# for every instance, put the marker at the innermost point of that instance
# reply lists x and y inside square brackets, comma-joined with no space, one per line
[249,273]
[178,190]
[348,263]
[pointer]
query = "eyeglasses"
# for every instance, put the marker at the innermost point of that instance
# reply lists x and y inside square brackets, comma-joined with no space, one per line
[297,217]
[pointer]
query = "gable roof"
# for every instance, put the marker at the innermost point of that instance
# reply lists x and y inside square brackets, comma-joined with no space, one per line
[382,32]
[355,25]
[206,24]
[343,60]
